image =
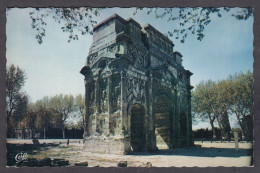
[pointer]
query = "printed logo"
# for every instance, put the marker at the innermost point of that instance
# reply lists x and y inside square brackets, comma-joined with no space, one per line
[20,156]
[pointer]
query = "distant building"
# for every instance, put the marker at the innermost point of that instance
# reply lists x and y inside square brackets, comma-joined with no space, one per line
[137,91]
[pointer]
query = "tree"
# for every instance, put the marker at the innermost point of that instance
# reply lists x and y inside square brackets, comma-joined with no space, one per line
[242,99]
[185,21]
[62,108]
[44,115]
[16,100]
[80,107]
[222,98]
[233,95]
[29,120]
[21,108]
[203,103]
[15,79]
[19,113]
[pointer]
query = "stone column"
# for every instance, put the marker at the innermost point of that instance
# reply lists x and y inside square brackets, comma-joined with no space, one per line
[123,103]
[124,121]
[97,108]
[109,103]
[109,95]
[86,122]
[152,140]
[97,101]
[147,116]
[190,135]
[177,118]
[173,114]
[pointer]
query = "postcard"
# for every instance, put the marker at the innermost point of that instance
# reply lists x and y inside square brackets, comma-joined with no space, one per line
[129,87]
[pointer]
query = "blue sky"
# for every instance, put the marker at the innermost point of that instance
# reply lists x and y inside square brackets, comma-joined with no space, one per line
[53,67]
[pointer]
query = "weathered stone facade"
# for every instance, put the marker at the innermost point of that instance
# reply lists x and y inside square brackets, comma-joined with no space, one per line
[137,91]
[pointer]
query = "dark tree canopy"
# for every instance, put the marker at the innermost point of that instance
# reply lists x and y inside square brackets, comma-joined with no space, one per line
[71,19]
[15,98]
[190,21]
[193,20]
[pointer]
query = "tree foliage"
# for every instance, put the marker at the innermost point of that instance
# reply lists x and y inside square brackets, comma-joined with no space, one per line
[190,21]
[217,100]
[57,112]
[20,107]
[45,113]
[15,79]
[242,98]
[16,99]
[221,106]
[62,108]
[71,19]
[80,109]
[42,107]
[203,103]
[44,118]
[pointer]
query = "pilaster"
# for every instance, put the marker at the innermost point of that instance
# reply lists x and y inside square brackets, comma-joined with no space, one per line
[87,98]
[123,103]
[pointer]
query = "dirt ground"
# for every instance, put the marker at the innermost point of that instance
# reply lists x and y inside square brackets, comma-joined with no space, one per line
[209,155]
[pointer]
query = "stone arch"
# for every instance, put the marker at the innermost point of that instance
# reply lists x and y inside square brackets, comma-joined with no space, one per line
[137,113]
[163,120]
[102,63]
[131,103]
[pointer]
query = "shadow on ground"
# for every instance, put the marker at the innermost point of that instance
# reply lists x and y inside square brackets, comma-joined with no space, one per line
[30,149]
[199,152]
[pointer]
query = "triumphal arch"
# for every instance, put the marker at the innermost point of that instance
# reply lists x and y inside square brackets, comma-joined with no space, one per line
[137,91]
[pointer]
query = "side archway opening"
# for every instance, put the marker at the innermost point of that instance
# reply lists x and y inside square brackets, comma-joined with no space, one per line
[137,127]
[163,122]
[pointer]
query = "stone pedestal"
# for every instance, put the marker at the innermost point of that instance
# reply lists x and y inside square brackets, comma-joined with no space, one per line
[107,145]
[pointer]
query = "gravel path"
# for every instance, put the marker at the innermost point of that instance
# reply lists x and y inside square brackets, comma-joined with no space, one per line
[210,154]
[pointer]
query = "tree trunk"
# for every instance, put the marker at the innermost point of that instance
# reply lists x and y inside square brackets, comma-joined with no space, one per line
[211,120]
[242,127]
[213,129]
[220,126]
[44,133]
[243,135]
[226,125]
[63,133]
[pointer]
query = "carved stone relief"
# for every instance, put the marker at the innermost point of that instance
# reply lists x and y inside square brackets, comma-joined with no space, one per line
[135,89]
[92,58]
[182,99]
[109,52]
[103,94]
[115,94]
[92,97]
[140,59]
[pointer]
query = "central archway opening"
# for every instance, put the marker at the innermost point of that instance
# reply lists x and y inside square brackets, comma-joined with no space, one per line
[137,127]
[163,122]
